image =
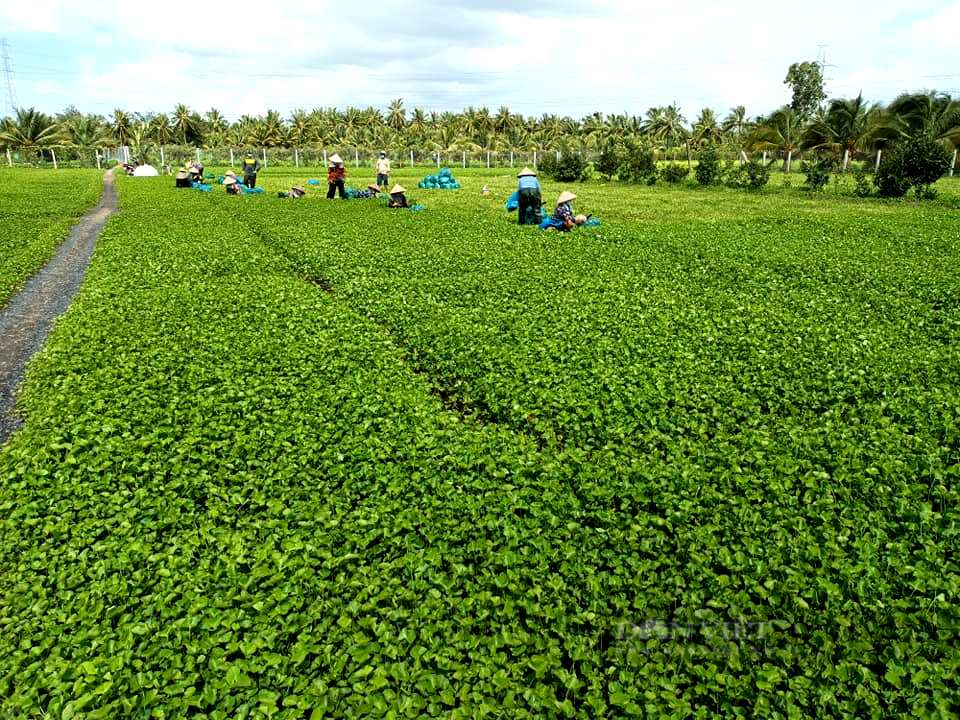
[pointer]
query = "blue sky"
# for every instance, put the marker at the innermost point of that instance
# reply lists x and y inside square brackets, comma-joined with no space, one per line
[569,57]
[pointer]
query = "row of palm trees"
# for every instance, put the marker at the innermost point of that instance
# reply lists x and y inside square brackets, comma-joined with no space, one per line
[852,125]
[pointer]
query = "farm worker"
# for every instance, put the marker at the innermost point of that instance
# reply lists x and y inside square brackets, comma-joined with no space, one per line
[233,187]
[486,191]
[383,169]
[297,191]
[183,179]
[336,177]
[563,215]
[251,166]
[398,197]
[528,192]
[229,174]
[371,192]
[197,170]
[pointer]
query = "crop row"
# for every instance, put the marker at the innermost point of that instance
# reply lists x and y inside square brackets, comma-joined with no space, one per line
[36,210]
[270,469]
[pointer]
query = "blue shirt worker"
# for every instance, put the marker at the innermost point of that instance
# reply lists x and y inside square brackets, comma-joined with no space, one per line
[529,200]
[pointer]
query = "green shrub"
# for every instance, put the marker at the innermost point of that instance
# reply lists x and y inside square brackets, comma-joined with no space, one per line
[736,176]
[638,164]
[916,163]
[609,161]
[817,172]
[570,167]
[708,166]
[861,183]
[758,174]
[675,173]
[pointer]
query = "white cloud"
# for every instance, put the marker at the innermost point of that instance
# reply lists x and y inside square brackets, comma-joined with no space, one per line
[565,57]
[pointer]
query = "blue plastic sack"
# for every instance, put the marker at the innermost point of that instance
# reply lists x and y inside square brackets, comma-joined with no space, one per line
[417,208]
[513,202]
[313,181]
[592,222]
[551,223]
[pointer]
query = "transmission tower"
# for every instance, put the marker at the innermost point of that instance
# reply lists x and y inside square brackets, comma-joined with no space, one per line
[8,76]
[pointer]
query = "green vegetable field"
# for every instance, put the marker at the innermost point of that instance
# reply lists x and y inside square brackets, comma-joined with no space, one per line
[36,210]
[320,459]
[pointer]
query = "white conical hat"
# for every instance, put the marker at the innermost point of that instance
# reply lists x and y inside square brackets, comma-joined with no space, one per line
[526,171]
[230,173]
[398,189]
[229,181]
[566,196]
[373,188]
[336,158]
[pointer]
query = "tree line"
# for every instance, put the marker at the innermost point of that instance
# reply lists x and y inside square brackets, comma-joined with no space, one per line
[842,125]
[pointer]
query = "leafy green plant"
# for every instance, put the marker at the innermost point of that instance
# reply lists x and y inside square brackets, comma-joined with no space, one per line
[708,166]
[817,172]
[915,163]
[675,173]
[610,160]
[862,185]
[758,174]
[570,167]
[638,163]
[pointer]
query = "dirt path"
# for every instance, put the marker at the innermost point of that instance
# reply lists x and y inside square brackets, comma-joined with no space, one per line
[28,318]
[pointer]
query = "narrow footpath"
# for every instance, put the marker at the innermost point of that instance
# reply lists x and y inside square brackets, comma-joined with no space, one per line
[26,321]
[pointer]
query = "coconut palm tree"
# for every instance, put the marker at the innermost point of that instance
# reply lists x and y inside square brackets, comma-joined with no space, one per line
[185,125]
[30,131]
[706,129]
[396,115]
[86,133]
[781,132]
[120,126]
[215,122]
[850,126]
[736,122]
[935,113]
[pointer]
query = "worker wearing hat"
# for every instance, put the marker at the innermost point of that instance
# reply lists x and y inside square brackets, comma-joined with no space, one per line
[563,215]
[183,179]
[231,185]
[251,166]
[383,169]
[370,192]
[336,178]
[398,197]
[528,195]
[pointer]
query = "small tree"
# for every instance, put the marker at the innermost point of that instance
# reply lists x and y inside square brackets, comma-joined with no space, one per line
[708,166]
[609,161]
[915,163]
[569,168]
[674,173]
[817,172]
[758,174]
[806,81]
[638,163]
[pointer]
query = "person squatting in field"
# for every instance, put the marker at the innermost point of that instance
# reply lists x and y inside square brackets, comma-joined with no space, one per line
[251,166]
[398,197]
[371,192]
[336,178]
[563,218]
[182,179]
[528,197]
[383,169]
[231,185]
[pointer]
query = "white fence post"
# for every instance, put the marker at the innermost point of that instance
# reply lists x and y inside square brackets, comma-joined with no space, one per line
[264,157]
[9,159]
[534,159]
[324,157]
[952,165]
[511,158]
[764,157]
[464,158]
[53,154]
[356,157]
[876,165]
[97,155]
[296,157]
[789,158]
[438,160]
[163,160]
[411,158]
[231,156]
[488,159]
[846,159]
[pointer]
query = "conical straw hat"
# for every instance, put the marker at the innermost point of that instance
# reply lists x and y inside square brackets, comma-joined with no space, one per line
[373,187]
[566,196]
[398,189]
[230,181]
[182,175]
[526,171]
[336,159]
[230,173]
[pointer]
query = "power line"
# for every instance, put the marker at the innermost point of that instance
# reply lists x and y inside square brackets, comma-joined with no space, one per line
[8,76]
